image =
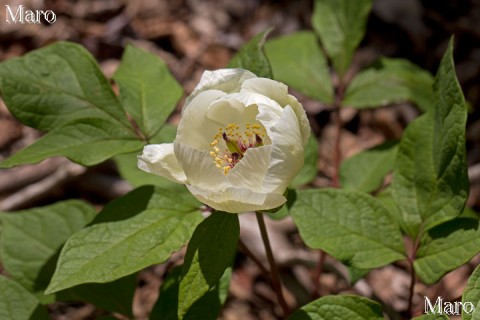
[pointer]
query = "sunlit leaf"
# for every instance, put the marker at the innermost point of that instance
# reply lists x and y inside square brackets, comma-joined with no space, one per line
[365,171]
[351,226]
[161,223]
[148,91]
[390,81]
[298,61]
[339,307]
[252,57]
[430,183]
[340,24]
[471,295]
[446,247]
[16,303]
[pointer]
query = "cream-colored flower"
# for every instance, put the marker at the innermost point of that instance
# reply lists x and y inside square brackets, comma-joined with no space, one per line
[239,144]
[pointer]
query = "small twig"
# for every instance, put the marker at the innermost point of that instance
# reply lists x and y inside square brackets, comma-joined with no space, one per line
[276,284]
[318,272]
[189,61]
[474,173]
[109,187]
[250,254]
[41,188]
[17,178]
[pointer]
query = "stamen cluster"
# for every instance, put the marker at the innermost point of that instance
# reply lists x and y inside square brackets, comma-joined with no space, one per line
[236,143]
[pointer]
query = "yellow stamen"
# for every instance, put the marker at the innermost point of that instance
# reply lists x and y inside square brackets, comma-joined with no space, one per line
[235,143]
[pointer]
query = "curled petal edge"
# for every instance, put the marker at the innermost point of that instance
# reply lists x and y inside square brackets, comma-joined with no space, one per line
[160,159]
[238,200]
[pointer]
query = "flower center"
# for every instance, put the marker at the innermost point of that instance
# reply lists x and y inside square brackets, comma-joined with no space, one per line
[230,144]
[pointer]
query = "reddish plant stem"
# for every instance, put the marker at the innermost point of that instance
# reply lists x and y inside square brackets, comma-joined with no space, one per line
[318,272]
[337,157]
[337,160]
[250,254]
[411,290]
[411,259]
[276,284]
[337,152]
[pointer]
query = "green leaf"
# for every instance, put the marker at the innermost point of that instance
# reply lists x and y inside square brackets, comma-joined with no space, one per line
[148,91]
[16,303]
[298,61]
[351,226]
[85,141]
[115,296]
[386,199]
[210,252]
[283,211]
[390,81]
[252,56]
[207,307]
[471,295]
[128,169]
[340,25]
[57,84]
[339,307]
[30,243]
[107,251]
[60,89]
[432,317]
[365,171]
[279,214]
[166,307]
[446,247]
[430,183]
[309,169]
[355,274]
[31,239]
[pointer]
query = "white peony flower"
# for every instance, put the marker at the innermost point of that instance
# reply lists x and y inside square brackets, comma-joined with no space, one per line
[239,144]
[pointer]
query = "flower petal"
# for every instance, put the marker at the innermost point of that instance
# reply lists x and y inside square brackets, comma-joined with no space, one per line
[302,118]
[249,98]
[251,170]
[226,80]
[279,92]
[199,167]
[195,128]
[238,200]
[273,89]
[269,110]
[160,159]
[228,110]
[287,152]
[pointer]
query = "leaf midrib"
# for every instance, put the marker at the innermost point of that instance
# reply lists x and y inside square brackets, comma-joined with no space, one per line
[354,232]
[58,90]
[114,245]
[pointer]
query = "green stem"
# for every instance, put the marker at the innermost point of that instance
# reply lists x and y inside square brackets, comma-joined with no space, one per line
[276,284]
